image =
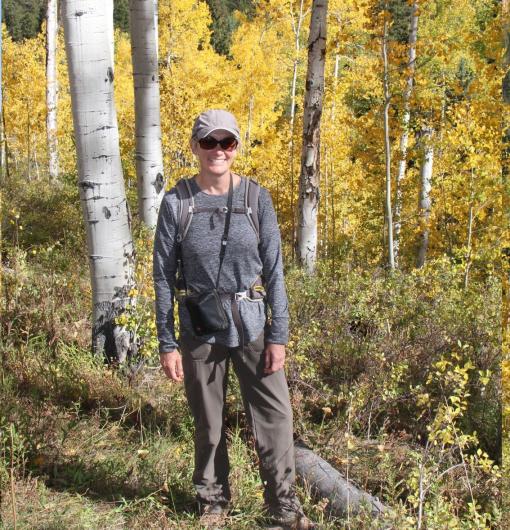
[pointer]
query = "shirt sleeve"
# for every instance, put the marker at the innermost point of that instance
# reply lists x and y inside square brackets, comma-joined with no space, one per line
[164,267]
[270,249]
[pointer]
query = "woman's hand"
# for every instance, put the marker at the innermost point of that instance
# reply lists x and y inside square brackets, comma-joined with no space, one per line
[171,362]
[275,358]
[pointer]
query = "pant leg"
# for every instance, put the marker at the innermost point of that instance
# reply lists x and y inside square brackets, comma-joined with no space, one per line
[205,380]
[267,404]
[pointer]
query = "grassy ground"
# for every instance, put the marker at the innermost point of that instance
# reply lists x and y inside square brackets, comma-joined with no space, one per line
[87,447]
[90,449]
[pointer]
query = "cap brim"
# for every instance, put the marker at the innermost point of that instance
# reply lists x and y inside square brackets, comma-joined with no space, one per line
[207,132]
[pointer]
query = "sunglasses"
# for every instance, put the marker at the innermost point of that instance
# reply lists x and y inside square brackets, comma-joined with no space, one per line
[227,144]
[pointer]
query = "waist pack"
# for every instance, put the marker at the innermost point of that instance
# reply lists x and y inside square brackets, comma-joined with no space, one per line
[206,312]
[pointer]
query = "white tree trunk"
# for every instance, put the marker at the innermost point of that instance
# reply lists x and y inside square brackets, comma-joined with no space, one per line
[110,30]
[425,203]
[309,178]
[100,180]
[149,154]
[297,22]
[404,140]
[387,147]
[296,27]
[51,87]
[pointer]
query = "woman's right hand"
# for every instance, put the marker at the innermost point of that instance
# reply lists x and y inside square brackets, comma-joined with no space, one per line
[171,362]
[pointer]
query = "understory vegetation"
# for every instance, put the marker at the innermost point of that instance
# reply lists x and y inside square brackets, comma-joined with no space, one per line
[394,379]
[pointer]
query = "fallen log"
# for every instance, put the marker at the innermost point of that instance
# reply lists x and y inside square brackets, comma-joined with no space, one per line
[327,483]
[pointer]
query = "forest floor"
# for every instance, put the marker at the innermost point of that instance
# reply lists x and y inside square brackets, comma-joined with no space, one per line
[88,448]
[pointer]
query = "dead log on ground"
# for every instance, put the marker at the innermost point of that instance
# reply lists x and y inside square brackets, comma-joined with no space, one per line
[326,482]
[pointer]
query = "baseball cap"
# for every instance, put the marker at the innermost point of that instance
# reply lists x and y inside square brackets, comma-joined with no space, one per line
[214,120]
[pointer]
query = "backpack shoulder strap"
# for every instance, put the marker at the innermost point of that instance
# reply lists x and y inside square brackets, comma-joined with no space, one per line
[251,203]
[186,206]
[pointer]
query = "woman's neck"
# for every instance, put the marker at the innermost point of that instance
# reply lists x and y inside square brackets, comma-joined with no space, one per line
[216,184]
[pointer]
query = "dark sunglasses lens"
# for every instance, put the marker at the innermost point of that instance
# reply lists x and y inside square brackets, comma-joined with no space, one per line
[208,143]
[228,143]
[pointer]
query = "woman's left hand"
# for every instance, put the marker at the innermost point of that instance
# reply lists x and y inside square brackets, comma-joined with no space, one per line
[274,358]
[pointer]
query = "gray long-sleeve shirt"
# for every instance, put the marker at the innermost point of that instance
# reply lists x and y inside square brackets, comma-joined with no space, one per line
[245,260]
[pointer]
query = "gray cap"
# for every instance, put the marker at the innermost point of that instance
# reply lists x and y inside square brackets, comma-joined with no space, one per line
[214,120]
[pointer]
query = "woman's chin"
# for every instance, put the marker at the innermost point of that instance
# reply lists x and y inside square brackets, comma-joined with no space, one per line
[217,169]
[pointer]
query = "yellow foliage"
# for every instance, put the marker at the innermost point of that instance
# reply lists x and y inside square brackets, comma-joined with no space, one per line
[456,92]
[25,102]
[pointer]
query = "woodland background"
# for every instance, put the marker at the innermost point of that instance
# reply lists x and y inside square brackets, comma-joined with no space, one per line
[395,376]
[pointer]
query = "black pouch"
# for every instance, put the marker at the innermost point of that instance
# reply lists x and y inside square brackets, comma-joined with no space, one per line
[207,313]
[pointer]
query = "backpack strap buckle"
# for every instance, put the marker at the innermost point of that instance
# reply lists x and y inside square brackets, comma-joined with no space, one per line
[240,296]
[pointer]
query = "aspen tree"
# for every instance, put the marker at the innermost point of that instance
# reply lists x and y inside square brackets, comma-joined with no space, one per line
[404,139]
[100,180]
[149,154]
[424,201]
[297,22]
[110,30]
[51,87]
[387,146]
[309,178]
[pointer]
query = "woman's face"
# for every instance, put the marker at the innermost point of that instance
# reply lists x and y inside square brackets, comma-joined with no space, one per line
[216,161]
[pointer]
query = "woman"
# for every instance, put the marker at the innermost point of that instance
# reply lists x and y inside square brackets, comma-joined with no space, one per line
[222,257]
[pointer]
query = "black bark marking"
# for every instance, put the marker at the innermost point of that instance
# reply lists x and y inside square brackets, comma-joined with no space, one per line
[107,212]
[159,183]
[79,13]
[107,340]
[129,218]
[103,128]
[109,73]
[88,185]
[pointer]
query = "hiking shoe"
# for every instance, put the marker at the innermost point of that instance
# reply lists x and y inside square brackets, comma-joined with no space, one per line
[295,522]
[213,516]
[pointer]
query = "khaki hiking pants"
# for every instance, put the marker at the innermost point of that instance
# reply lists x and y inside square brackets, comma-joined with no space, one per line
[267,406]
